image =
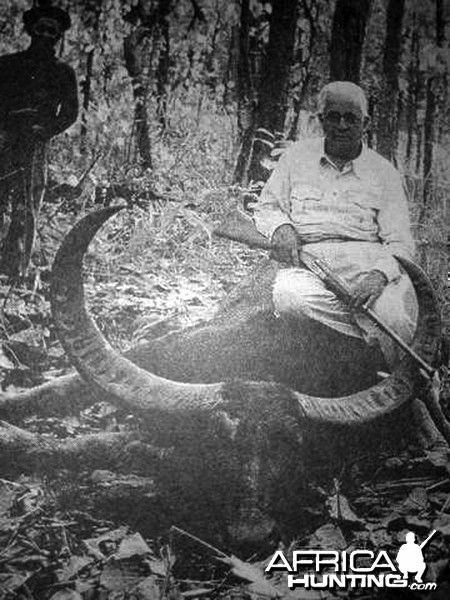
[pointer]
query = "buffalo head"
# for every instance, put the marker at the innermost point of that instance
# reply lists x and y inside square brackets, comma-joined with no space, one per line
[241,391]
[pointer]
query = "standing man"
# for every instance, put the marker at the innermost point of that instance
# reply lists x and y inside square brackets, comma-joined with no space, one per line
[38,100]
[345,204]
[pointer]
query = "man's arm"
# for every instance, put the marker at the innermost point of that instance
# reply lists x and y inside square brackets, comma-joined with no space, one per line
[68,110]
[394,226]
[394,230]
[273,207]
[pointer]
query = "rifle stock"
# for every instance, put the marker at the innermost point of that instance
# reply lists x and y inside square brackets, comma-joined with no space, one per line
[239,227]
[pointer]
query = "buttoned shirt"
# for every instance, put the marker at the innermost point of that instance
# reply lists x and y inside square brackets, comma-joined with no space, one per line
[355,219]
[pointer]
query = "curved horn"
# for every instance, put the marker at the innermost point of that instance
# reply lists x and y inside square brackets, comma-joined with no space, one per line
[402,385]
[93,357]
[115,375]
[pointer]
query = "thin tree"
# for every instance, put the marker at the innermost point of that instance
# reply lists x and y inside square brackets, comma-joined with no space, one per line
[86,85]
[347,39]
[387,125]
[137,57]
[413,88]
[246,95]
[162,70]
[303,59]
[430,110]
[272,96]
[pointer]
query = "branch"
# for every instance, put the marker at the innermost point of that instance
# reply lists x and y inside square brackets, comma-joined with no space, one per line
[25,452]
[198,14]
[64,396]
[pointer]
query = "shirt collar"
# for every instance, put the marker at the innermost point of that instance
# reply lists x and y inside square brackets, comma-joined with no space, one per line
[362,164]
[358,165]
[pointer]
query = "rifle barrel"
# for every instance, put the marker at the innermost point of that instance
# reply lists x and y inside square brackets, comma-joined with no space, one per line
[336,284]
[423,544]
[398,340]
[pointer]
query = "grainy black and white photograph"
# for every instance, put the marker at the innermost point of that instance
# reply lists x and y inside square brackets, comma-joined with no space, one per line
[225,303]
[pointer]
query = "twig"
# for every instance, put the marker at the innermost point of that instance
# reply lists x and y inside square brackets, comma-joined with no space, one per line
[445,505]
[199,541]
[431,401]
[12,483]
[437,485]
[11,173]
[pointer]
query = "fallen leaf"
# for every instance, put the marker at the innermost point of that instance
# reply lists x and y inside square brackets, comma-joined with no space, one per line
[250,573]
[157,567]
[339,509]
[95,545]
[9,583]
[7,496]
[5,363]
[132,545]
[73,567]
[147,589]
[66,595]
[120,576]
[442,524]
[197,593]
[328,537]
[417,501]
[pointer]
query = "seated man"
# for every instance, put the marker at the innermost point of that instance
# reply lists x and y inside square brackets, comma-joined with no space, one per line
[345,205]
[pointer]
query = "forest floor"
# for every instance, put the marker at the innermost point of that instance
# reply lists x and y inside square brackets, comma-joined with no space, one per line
[150,271]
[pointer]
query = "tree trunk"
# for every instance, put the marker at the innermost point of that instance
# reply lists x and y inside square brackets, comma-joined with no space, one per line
[305,61]
[64,396]
[135,48]
[86,95]
[162,72]
[231,77]
[419,148]
[387,130]
[428,138]
[430,111]
[25,452]
[413,89]
[246,97]
[87,83]
[371,111]
[347,39]
[272,101]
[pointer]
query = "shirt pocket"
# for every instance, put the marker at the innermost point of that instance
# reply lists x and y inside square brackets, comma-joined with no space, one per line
[303,197]
[364,203]
[365,196]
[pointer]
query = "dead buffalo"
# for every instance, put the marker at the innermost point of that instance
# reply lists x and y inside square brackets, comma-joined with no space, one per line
[239,394]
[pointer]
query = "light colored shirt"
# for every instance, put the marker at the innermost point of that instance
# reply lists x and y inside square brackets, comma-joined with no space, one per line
[363,207]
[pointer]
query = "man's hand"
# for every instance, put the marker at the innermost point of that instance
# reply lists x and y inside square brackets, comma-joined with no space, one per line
[285,244]
[368,289]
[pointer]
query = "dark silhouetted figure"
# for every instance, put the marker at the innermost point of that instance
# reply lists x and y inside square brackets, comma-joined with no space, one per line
[38,100]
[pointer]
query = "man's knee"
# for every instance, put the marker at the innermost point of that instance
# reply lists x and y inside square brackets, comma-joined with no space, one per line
[295,291]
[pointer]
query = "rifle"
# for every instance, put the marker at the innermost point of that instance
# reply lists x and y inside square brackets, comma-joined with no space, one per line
[428,539]
[240,228]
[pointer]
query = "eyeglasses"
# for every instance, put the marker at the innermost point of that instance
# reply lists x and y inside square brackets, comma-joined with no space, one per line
[334,118]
